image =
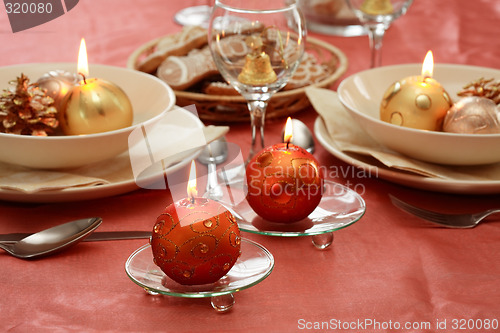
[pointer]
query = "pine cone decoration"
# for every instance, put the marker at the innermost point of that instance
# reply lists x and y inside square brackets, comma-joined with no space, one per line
[27,110]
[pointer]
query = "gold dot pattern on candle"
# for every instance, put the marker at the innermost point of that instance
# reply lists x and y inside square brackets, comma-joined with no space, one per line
[423,102]
[284,184]
[415,102]
[397,119]
[195,242]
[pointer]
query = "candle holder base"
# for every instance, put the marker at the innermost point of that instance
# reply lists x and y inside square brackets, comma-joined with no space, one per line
[252,267]
[222,303]
[322,241]
[339,208]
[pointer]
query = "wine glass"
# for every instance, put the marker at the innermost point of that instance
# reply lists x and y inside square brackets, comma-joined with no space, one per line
[257,45]
[377,16]
[194,15]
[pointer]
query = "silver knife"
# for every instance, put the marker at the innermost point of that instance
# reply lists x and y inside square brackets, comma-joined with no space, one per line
[93,237]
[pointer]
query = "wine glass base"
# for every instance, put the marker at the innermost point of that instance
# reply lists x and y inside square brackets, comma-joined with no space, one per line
[196,15]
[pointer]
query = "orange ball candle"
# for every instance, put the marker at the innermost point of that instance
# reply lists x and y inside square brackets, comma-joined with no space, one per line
[285,182]
[195,240]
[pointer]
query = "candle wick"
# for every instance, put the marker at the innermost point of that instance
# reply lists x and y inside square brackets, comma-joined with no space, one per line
[84,78]
[192,200]
[287,143]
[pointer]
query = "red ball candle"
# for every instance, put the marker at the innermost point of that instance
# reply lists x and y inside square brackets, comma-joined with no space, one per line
[195,241]
[285,182]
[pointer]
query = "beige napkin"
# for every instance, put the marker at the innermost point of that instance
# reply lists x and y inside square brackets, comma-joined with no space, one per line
[350,137]
[111,171]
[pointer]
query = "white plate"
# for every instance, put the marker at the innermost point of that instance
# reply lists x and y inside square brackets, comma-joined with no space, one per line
[376,169]
[118,165]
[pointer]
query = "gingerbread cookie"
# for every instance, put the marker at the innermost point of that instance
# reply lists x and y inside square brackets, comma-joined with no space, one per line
[308,72]
[233,47]
[191,37]
[183,72]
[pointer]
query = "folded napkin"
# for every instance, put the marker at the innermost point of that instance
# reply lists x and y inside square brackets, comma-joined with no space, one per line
[350,137]
[178,138]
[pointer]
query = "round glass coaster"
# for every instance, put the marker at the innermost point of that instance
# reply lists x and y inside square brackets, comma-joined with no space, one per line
[253,266]
[339,207]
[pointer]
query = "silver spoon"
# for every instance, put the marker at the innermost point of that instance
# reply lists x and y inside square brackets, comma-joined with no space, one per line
[301,136]
[214,153]
[51,240]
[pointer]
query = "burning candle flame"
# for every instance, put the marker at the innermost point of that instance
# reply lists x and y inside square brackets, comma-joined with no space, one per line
[428,65]
[191,186]
[83,66]
[288,131]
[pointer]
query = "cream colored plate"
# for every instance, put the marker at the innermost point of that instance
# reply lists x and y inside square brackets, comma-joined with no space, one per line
[376,169]
[118,171]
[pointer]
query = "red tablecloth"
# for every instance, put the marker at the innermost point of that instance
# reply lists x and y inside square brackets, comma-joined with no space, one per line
[387,270]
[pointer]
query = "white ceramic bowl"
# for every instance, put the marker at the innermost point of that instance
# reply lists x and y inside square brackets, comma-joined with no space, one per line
[362,93]
[150,98]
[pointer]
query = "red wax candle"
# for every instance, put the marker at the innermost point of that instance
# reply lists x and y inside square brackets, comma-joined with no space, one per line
[195,241]
[285,183]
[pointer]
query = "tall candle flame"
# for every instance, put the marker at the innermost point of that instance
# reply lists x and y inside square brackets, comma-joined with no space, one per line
[288,131]
[83,66]
[191,186]
[428,65]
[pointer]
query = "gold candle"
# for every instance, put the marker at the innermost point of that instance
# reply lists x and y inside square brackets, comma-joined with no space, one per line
[416,101]
[94,105]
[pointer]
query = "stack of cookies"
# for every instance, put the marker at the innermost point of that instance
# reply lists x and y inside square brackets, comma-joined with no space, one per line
[184,62]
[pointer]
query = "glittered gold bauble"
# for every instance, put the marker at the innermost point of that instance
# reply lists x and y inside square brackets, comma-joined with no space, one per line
[95,106]
[415,102]
[472,115]
[195,241]
[257,70]
[285,184]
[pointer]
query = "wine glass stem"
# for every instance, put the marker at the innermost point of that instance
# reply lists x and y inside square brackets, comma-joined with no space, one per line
[257,119]
[376,35]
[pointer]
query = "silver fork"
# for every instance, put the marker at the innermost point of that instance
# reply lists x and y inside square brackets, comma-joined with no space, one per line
[443,219]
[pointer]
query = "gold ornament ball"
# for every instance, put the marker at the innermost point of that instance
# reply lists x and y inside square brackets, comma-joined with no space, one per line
[95,106]
[416,102]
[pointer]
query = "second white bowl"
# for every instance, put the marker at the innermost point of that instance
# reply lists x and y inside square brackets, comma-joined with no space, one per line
[362,93]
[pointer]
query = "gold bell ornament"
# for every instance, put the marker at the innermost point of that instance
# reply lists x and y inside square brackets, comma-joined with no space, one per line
[257,70]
